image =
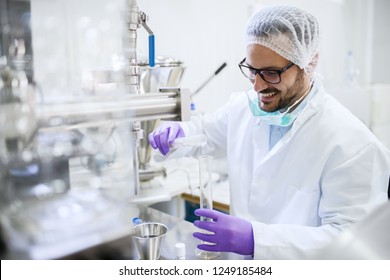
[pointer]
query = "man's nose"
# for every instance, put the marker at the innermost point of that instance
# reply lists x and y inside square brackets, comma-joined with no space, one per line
[259,84]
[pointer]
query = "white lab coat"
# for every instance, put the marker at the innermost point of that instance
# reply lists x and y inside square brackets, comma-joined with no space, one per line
[327,172]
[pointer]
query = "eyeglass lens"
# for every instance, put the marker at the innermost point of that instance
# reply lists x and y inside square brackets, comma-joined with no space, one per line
[269,76]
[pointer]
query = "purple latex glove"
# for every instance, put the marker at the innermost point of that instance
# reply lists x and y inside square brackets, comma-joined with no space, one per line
[231,234]
[164,135]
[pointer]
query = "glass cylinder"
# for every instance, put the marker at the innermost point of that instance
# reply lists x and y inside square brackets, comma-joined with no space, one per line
[206,201]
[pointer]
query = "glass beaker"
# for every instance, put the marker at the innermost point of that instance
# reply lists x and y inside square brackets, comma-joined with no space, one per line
[206,201]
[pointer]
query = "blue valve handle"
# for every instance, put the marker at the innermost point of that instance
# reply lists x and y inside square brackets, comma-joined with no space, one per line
[151,51]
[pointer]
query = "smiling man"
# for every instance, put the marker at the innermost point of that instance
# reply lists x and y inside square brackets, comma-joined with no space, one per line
[301,167]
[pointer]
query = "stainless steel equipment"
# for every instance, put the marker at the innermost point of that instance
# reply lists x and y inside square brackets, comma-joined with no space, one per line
[70,127]
[166,74]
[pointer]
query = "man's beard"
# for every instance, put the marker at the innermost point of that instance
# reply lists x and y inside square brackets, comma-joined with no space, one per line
[292,94]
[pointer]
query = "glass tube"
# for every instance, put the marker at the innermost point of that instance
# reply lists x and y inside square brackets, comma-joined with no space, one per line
[206,201]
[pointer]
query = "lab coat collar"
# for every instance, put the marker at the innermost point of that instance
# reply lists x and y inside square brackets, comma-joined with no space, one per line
[315,98]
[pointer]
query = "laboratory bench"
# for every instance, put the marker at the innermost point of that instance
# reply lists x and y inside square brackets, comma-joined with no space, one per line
[179,231]
[180,184]
[108,237]
[117,243]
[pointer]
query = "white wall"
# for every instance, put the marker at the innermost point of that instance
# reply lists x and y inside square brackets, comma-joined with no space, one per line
[205,33]
[381,43]
[73,38]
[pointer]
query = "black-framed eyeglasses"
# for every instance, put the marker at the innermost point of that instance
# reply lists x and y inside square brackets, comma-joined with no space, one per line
[269,75]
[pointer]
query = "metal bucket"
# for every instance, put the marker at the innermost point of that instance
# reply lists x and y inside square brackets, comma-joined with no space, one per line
[149,238]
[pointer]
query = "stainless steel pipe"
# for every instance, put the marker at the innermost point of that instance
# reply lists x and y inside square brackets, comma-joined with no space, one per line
[169,105]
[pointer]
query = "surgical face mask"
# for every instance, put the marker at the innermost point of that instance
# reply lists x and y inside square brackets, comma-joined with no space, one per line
[272,118]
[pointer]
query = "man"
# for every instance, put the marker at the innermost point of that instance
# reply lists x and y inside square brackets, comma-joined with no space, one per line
[301,166]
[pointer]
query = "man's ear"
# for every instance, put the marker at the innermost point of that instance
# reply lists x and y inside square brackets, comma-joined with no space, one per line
[309,69]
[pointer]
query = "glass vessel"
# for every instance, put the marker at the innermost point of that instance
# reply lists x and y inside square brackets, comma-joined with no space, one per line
[206,201]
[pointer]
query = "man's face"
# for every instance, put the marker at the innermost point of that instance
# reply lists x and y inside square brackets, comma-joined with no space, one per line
[273,97]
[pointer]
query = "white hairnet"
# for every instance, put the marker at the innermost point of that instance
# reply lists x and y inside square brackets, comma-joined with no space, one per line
[289,31]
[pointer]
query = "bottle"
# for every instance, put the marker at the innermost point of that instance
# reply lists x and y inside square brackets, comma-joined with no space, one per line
[199,140]
[351,71]
[137,221]
[180,249]
[182,145]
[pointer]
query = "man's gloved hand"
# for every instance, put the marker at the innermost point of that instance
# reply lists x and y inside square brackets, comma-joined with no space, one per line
[231,234]
[164,135]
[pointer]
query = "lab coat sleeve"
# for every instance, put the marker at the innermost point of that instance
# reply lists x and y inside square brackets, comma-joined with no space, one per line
[214,126]
[349,191]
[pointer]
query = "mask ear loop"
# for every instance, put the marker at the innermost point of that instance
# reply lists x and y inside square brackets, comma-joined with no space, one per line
[248,90]
[299,100]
